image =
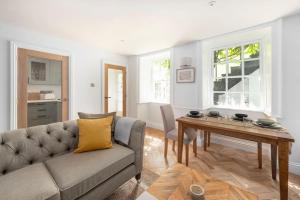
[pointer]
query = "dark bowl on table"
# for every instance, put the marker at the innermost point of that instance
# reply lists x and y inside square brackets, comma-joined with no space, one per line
[214,113]
[194,112]
[266,122]
[241,115]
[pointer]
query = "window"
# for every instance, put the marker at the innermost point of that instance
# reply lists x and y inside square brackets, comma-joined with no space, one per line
[237,76]
[155,78]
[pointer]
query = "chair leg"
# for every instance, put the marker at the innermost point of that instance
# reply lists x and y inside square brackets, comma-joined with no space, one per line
[166,147]
[138,177]
[173,146]
[187,154]
[195,146]
[205,141]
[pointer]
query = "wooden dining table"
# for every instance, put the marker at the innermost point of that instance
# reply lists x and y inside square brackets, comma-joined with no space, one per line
[279,140]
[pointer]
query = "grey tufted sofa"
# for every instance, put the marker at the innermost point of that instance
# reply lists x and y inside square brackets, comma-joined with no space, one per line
[38,163]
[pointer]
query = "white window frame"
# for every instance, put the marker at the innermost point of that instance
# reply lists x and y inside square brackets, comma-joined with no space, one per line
[262,106]
[152,85]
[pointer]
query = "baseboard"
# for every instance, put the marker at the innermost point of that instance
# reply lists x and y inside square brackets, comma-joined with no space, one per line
[294,168]
[238,144]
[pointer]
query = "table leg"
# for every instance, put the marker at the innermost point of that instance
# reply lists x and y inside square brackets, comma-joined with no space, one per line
[208,139]
[180,142]
[259,154]
[283,156]
[274,160]
[205,141]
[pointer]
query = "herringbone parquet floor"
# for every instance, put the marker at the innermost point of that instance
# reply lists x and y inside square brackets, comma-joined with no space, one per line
[234,166]
[228,164]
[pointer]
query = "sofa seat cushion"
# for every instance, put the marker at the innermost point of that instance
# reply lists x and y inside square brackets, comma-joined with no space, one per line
[76,174]
[29,183]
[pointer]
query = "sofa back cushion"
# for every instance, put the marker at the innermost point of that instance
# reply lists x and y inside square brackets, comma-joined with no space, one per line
[22,147]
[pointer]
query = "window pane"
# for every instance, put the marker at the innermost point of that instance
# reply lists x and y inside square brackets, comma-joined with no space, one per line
[162,89]
[154,75]
[219,56]
[161,79]
[219,98]
[252,84]
[251,50]
[219,70]
[252,67]
[235,85]
[234,99]
[234,68]
[237,76]
[220,84]
[234,53]
[252,100]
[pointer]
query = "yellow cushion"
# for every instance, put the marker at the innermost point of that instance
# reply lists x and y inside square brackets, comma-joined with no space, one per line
[94,134]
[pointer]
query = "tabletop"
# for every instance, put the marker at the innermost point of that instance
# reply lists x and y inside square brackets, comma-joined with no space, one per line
[229,125]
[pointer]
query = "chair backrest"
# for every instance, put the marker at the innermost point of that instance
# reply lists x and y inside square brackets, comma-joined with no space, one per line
[168,117]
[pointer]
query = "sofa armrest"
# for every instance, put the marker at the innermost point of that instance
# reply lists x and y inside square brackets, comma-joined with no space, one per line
[136,143]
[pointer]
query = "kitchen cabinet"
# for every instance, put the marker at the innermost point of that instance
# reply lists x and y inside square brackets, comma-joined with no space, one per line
[40,113]
[44,72]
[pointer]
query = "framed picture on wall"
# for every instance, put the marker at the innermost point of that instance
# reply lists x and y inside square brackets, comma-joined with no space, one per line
[186,75]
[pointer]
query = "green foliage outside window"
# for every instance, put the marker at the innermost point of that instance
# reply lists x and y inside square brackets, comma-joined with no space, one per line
[220,55]
[165,63]
[252,50]
[234,53]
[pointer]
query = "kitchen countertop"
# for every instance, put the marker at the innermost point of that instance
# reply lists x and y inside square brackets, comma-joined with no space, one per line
[43,101]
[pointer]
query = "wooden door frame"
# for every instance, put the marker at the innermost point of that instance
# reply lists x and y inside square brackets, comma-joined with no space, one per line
[14,46]
[124,79]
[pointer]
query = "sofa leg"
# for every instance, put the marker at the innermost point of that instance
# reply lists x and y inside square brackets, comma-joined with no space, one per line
[138,177]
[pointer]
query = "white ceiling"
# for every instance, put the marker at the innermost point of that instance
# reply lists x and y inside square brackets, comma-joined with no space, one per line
[144,25]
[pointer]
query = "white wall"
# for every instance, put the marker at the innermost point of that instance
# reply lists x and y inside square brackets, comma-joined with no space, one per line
[150,112]
[86,62]
[133,85]
[290,83]
[186,95]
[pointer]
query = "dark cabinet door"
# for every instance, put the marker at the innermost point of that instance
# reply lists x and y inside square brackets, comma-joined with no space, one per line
[42,113]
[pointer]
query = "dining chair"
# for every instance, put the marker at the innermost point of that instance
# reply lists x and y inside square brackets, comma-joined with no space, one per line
[171,132]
